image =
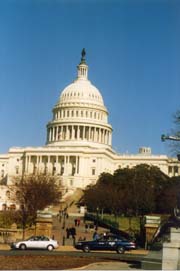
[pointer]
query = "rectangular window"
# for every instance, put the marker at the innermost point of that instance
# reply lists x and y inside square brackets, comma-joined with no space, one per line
[170,169]
[93,171]
[175,169]
[17,170]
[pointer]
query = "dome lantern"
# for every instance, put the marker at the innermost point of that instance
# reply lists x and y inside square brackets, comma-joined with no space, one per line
[83,67]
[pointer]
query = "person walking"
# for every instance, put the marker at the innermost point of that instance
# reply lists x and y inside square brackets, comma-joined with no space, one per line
[95,236]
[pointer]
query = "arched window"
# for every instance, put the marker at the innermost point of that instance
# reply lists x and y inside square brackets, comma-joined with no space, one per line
[2,173]
[8,194]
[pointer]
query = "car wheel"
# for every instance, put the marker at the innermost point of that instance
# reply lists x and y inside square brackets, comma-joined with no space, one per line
[120,250]
[22,247]
[86,248]
[50,247]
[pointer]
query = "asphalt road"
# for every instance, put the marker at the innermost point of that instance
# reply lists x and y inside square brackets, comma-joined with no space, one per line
[116,261]
[102,255]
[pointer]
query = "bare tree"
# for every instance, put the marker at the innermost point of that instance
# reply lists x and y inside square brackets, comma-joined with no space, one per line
[33,193]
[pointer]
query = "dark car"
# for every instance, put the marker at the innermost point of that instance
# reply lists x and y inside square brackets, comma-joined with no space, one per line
[108,242]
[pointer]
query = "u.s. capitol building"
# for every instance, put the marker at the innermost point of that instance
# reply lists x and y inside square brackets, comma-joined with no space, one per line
[79,143]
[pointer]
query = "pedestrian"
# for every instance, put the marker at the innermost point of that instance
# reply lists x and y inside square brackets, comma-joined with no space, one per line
[86,228]
[95,236]
[78,222]
[67,233]
[63,226]
[75,222]
[73,232]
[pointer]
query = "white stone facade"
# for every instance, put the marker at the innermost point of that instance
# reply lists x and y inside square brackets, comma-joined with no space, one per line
[79,143]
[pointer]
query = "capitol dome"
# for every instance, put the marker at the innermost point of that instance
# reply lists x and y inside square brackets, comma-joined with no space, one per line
[80,115]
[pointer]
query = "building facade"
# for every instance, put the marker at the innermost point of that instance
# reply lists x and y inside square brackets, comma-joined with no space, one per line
[78,145]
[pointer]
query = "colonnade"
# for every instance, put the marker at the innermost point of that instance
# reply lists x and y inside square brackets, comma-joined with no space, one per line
[52,164]
[75,132]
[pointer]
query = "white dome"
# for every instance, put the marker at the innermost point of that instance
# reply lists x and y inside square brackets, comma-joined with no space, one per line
[81,91]
[80,116]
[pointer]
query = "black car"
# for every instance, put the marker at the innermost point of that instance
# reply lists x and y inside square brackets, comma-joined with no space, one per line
[108,242]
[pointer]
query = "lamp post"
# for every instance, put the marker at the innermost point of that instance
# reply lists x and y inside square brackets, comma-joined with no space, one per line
[173,138]
[97,216]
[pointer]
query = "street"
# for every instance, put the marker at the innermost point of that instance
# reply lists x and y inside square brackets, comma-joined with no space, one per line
[40,259]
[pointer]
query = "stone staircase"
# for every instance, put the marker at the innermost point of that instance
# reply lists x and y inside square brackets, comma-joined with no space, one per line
[64,217]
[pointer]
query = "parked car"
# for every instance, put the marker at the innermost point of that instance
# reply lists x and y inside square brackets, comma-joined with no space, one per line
[36,242]
[108,242]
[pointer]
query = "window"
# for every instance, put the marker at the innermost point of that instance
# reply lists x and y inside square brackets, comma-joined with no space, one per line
[93,171]
[94,160]
[73,171]
[175,169]
[62,170]
[54,170]
[8,194]
[170,169]
[17,170]
[45,170]
[2,173]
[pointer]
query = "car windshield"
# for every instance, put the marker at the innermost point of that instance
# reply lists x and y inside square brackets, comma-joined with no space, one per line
[38,238]
[112,238]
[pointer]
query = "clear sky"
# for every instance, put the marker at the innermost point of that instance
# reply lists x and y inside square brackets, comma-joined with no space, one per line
[133,53]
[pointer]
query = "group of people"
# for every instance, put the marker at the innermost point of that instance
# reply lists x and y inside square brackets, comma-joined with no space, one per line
[77,222]
[71,232]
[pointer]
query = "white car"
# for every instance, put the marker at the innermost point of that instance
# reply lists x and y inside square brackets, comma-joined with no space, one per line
[36,242]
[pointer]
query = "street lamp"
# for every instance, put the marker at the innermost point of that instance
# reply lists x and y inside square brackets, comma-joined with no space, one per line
[173,138]
[166,137]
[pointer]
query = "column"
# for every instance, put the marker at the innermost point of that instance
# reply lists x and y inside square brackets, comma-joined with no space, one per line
[49,135]
[73,132]
[110,136]
[57,132]
[78,132]
[96,134]
[103,139]
[26,164]
[101,135]
[77,164]
[89,133]
[84,129]
[53,131]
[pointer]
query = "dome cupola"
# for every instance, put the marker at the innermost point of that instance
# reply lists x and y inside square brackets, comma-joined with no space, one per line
[82,67]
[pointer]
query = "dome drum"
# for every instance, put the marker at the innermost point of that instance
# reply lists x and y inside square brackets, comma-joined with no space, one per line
[101,135]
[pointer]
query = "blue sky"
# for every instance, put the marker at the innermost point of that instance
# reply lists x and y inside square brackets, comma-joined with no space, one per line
[133,56]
